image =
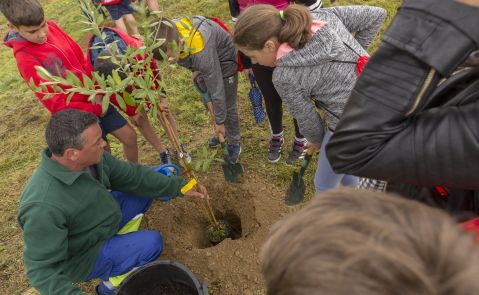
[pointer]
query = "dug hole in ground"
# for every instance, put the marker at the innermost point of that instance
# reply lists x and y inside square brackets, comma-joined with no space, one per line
[232,266]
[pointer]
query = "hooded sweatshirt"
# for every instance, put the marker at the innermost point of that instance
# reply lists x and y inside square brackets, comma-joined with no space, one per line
[213,54]
[322,70]
[57,55]
[279,4]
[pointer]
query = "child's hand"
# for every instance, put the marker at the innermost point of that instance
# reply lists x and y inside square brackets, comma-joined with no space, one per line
[193,193]
[164,106]
[194,74]
[247,73]
[220,129]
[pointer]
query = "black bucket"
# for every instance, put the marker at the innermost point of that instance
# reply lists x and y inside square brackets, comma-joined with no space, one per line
[162,277]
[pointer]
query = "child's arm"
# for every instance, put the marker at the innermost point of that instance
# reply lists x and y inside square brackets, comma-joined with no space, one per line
[26,66]
[301,108]
[208,64]
[363,21]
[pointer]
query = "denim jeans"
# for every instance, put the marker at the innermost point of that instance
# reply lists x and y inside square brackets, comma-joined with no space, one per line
[325,178]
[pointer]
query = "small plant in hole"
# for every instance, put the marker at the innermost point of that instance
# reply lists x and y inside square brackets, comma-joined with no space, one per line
[217,234]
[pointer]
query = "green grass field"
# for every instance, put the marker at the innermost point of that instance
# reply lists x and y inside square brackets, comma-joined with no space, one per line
[23,120]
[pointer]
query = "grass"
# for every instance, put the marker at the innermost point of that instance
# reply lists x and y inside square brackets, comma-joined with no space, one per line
[24,119]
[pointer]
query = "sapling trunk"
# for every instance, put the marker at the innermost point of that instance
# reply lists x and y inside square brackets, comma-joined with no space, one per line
[177,145]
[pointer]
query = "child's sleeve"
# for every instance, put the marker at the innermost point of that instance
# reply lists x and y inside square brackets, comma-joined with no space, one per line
[74,47]
[26,65]
[208,64]
[362,21]
[299,104]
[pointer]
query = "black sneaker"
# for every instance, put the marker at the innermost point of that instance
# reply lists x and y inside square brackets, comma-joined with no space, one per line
[234,150]
[214,142]
[297,152]
[165,157]
[275,145]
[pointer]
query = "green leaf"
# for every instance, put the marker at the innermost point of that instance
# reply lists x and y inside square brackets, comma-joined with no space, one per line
[197,166]
[91,97]
[69,98]
[87,82]
[43,73]
[105,103]
[44,88]
[121,102]
[206,165]
[33,86]
[100,80]
[128,99]
[73,79]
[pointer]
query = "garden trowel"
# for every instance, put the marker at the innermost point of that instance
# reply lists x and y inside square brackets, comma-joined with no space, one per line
[231,171]
[295,193]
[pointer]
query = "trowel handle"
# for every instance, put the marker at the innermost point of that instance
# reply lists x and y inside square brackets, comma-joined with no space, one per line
[307,158]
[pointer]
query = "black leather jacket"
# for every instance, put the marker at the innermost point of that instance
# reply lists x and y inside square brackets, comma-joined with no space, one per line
[398,125]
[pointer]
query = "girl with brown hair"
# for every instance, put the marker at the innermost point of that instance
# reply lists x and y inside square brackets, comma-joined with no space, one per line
[314,64]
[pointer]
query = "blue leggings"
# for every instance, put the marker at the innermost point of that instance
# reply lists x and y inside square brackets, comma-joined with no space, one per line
[122,253]
[325,178]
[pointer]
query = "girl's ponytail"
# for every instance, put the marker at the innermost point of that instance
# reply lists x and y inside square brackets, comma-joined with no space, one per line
[296,26]
[259,23]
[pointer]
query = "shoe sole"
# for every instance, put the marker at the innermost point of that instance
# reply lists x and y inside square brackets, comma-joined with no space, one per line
[274,161]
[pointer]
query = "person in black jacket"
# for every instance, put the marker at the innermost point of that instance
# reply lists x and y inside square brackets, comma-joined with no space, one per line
[409,120]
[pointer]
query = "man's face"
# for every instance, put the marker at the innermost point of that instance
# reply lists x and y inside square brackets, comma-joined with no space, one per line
[93,145]
[35,34]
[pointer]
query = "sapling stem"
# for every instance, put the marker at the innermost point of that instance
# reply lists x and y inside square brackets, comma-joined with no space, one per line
[191,174]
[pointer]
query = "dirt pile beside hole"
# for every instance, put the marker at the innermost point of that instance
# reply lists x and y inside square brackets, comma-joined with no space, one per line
[232,266]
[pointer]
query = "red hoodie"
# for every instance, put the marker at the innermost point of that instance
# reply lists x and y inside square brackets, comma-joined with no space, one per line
[58,54]
[472,226]
[133,43]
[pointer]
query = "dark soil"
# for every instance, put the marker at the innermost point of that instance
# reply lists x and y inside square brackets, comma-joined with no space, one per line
[170,288]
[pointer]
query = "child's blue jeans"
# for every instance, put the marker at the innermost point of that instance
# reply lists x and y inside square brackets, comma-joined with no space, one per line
[325,178]
[122,253]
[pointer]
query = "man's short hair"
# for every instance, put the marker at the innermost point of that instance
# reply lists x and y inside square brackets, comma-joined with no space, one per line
[164,29]
[22,12]
[65,128]
[349,241]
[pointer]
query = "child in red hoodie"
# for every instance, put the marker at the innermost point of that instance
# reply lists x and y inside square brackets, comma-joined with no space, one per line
[99,46]
[39,42]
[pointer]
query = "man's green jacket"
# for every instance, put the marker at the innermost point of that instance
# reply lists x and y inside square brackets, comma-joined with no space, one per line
[67,216]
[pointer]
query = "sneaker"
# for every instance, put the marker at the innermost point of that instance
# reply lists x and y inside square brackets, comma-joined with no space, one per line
[165,157]
[274,152]
[234,150]
[297,152]
[102,289]
[214,142]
